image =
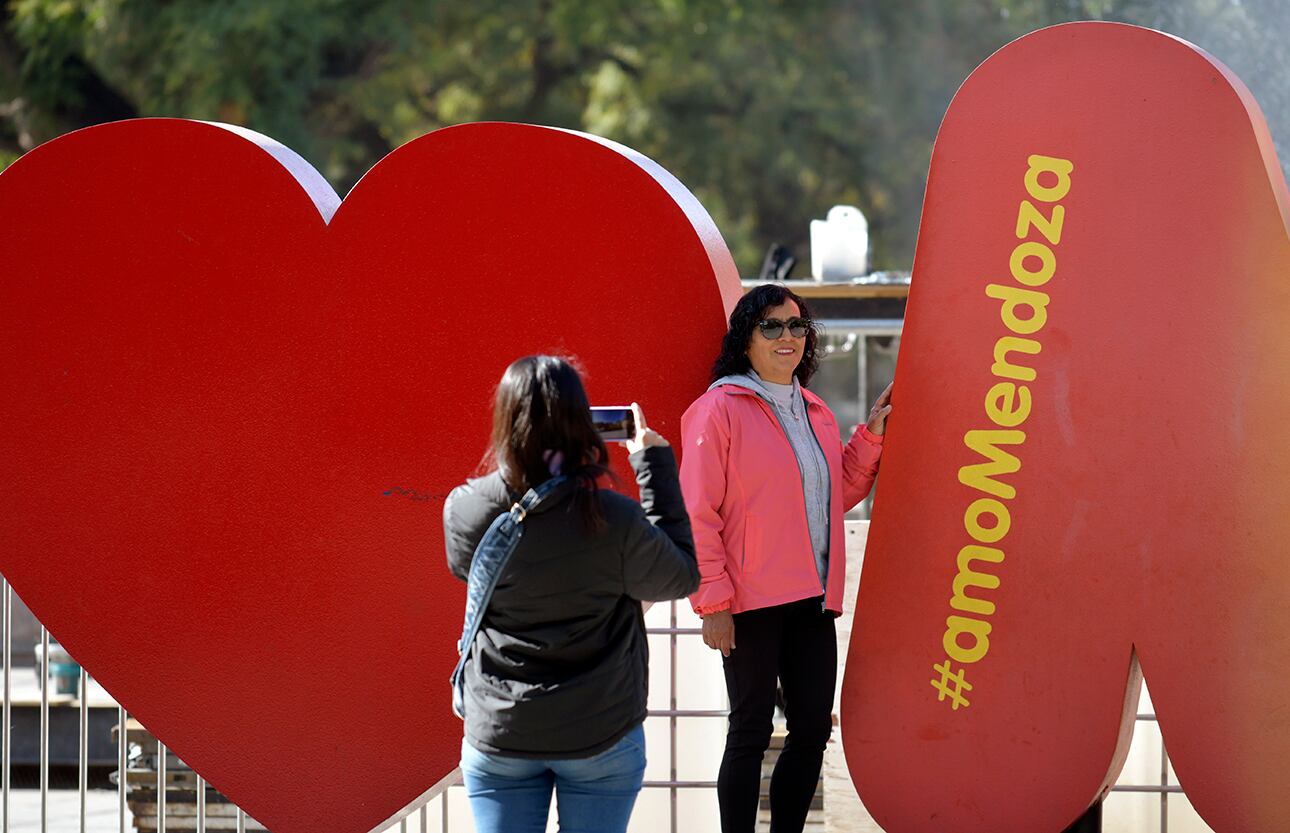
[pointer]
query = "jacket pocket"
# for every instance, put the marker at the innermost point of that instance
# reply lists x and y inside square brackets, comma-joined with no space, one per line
[750,561]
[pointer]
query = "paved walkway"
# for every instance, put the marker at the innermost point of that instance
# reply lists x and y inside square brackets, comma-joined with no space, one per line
[64,809]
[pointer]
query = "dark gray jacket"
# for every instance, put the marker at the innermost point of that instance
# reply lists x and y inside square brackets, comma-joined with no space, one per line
[560,666]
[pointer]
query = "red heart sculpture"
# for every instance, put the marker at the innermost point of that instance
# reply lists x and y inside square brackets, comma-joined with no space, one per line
[1089,456]
[228,426]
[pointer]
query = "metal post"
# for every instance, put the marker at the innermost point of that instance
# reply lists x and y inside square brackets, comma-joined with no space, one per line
[241,821]
[201,804]
[444,804]
[121,718]
[84,768]
[1164,782]
[862,367]
[425,819]
[44,730]
[161,787]
[672,718]
[5,751]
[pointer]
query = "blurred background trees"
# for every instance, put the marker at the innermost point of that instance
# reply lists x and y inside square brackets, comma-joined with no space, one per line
[770,110]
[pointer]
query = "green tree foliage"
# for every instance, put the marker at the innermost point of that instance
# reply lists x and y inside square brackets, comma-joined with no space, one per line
[770,110]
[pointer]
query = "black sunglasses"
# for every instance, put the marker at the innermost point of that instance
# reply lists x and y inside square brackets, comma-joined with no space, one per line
[773,328]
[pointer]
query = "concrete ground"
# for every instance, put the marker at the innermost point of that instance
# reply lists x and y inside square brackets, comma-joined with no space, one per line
[64,812]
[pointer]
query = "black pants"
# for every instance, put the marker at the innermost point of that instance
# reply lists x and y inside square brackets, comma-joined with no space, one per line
[795,643]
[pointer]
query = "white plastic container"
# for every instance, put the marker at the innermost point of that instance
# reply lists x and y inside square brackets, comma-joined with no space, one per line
[840,244]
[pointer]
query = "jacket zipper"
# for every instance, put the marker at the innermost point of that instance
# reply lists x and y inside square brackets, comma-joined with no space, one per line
[828,513]
[783,429]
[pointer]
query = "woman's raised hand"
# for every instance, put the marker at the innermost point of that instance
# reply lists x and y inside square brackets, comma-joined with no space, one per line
[645,436]
[877,423]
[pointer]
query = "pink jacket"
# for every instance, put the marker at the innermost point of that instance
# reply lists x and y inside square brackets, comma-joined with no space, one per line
[747,508]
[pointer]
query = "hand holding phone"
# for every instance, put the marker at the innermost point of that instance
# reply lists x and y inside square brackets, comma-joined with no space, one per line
[625,424]
[645,436]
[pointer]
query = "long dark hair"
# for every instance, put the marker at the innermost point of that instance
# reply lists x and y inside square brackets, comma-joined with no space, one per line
[743,322]
[541,410]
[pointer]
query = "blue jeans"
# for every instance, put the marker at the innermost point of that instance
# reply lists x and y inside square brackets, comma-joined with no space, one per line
[593,795]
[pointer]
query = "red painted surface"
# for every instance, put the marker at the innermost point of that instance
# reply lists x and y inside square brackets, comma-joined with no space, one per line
[1148,513]
[228,427]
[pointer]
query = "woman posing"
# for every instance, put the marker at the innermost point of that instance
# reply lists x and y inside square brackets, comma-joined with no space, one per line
[555,682]
[766,483]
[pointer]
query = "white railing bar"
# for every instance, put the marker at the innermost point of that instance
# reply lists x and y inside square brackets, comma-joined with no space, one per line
[425,819]
[1164,781]
[672,707]
[83,768]
[444,802]
[120,767]
[161,787]
[863,326]
[5,750]
[862,372]
[241,821]
[44,730]
[201,804]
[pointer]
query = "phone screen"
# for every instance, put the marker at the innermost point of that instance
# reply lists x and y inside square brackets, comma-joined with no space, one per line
[615,424]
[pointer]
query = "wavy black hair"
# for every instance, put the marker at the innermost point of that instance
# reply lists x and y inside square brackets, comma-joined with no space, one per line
[743,323]
[541,408]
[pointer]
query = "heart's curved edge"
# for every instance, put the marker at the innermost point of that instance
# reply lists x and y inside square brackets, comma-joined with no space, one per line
[315,186]
[723,265]
[437,789]
[714,245]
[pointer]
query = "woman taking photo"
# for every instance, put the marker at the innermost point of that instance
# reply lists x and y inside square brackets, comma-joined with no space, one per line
[555,682]
[767,482]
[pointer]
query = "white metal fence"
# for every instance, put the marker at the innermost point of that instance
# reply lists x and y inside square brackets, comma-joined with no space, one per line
[448,811]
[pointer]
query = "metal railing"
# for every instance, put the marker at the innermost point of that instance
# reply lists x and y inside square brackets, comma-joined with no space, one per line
[417,815]
[419,811]
[1164,788]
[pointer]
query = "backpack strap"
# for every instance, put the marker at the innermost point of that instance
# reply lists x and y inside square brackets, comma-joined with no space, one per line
[491,556]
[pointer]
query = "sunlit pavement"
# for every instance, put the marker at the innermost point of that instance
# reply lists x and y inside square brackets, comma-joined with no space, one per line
[64,812]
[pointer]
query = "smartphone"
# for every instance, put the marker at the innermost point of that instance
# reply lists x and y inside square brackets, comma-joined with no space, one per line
[615,424]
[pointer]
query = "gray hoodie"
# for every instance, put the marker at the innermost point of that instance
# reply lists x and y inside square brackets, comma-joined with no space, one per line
[787,403]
